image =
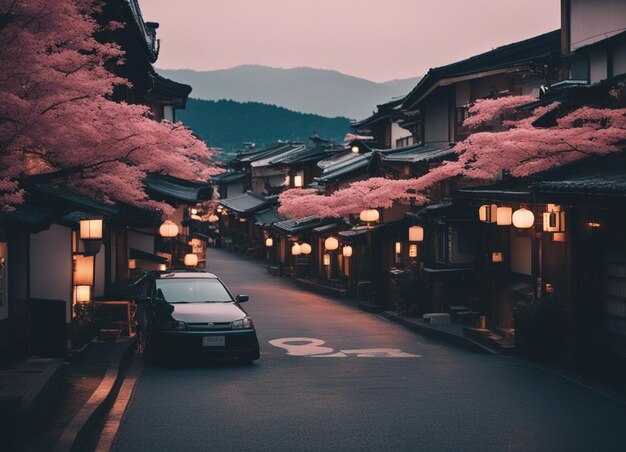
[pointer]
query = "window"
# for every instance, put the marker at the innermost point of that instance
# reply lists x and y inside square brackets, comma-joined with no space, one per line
[192,291]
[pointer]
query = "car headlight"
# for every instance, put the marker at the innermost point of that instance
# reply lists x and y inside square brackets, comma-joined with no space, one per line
[242,324]
[172,325]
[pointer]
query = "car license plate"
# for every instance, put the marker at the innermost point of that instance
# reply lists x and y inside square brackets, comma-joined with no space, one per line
[213,341]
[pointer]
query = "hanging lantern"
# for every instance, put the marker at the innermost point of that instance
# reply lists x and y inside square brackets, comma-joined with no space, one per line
[346,251]
[412,250]
[554,221]
[168,229]
[213,218]
[194,211]
[369,215]
[398,248]
[132,264]
[503,216]
[355,149]
[190,260]
[83,293]
[331,243]
[83,270]
[497,256]
[296,250]
[297,181]
[219,209]
[416,234]
[269,242]
[523,218]
[305,248]
[91,235]
[326,259]
[488,213]
[162,267]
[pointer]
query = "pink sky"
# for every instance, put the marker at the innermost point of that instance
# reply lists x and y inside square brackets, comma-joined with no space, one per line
[377,40]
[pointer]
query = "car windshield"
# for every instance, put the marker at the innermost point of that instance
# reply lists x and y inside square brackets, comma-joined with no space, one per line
[192,291]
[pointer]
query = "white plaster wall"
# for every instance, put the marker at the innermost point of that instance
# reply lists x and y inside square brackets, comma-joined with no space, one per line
[598,66]
[51,265]
[595,20]
[140,241]
[397,132]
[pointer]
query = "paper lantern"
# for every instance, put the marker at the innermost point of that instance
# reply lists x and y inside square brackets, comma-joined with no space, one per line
[162,267]
[326,259]
[497,256]
[297,181]
[369,215]
[168,229]
[416,234]
[523,218]
[91,229]
[190,260]
[194,211]
[296,250]
[132,264]
[559,237]
[398,247]
[219,209]
[269,242]
[412,250]
[503,216]
[83,270]
[355,149]
[347,251]
[213,218]
[554,221]
[488,213]
[331,243]
[83,293]
[305,248]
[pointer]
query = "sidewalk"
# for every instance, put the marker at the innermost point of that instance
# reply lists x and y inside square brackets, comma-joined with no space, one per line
[69,395]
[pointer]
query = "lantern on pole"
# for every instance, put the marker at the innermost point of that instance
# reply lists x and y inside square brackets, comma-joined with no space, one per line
[91,235]
[168,229]
[331,243]
[416,234]
[190,260]
[523,218]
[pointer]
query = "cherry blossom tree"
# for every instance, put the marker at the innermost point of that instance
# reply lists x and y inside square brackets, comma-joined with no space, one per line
[515,146]
[57,116]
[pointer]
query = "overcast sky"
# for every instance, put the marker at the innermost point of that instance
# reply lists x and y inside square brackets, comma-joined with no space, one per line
[377,40]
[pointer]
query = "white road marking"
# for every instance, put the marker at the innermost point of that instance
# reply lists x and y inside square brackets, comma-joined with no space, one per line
[311,347]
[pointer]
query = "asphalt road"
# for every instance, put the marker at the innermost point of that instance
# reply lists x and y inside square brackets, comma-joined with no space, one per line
[441,398]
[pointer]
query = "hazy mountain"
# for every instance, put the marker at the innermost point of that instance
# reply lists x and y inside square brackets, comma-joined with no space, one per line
[307,90]
[403,85]
[228,124]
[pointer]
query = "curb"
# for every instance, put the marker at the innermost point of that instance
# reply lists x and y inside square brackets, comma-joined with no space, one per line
[78,432]
[443,336]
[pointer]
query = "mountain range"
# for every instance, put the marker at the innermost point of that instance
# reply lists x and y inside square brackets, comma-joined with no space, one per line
[306,90]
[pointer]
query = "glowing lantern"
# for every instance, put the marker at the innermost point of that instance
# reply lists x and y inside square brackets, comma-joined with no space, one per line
[554,221]
[194,211]
[91,229]
[369,215]
[269,242]
[503,216]
[297,181]
[219,209]
[168,229]
[416,234]
[347,251]
[162,267]
[488,213]
[326,259]
[497,256]
[398,247]
[355,149]
[132,264]
[559,237]
[190,260]
[305,248]
[523,218]
[296,250]
[213,218]
[83,293]
[83,270]
[331,243]
[412,250]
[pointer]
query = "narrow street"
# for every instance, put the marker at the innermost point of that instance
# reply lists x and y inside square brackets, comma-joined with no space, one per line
[414,394]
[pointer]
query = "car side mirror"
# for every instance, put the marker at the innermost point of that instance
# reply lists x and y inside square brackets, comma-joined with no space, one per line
[141,299]
[242,298]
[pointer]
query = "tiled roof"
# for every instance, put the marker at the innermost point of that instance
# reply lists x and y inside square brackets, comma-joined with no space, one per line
[169,187]
[268,217]
[228,178]
[30,213]
[75,199]
[248,202]
[275,156]
[417,154]
[298,225]
[307,154]
[355,163]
